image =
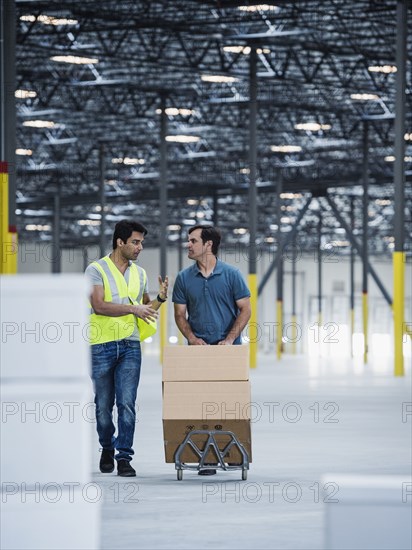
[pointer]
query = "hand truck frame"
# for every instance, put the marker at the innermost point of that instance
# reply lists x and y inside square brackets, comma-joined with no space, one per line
[211,445]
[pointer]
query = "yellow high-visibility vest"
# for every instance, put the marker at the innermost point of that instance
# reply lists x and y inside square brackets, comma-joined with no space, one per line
[110,329]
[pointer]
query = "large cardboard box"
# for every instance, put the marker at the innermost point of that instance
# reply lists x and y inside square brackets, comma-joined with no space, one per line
[218,405]
[205,363]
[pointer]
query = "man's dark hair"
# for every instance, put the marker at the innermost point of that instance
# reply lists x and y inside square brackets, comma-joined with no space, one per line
[124,229]
[209,233]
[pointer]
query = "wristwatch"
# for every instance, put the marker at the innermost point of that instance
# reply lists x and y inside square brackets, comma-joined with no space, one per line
[159,299]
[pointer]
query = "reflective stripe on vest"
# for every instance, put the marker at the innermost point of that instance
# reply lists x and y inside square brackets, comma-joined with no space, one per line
[108,329]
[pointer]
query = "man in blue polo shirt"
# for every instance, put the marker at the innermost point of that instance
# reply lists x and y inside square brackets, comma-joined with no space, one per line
[211,299]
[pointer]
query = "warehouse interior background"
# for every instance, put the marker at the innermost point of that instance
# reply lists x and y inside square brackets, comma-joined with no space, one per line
[287,124]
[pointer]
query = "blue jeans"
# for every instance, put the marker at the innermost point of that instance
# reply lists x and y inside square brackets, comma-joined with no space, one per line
[116,374]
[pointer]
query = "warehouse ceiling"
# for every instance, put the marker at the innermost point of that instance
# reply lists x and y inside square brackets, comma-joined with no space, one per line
[91,79]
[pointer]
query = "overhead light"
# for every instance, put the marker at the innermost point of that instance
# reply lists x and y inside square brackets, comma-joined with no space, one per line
[173,227]
[133,161]
[285,219]
[28,18]
[57,21]
[25,94]
[290,196]
[258,7]
[237,49]
[383,202]
[341,243]
[89,222]
[34,227]
[40,124]
[244,171]
[24,152]
[192,202]
[200,215]
[183,139]
[391,158]
[128,161]
[189,222]
[286,148]
[312,126]
[264,50]
[75,59]
[173,111]
[365,97]
[240,231]
[218,78]
[269,240]
[49,20]
[110,182]
[386,69]
[408,137]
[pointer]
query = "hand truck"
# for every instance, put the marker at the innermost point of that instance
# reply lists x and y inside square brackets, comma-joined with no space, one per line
[211,445]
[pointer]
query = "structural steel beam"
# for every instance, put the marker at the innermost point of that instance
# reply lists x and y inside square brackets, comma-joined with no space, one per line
[359,249]
[286,240]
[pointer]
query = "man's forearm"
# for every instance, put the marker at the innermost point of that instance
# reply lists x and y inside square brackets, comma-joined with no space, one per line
[113,310]
[184,327]
[239,324]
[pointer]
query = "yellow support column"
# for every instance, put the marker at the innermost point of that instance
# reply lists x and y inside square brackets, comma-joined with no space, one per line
[253,326]
[163,330]
[365,326]
[8,253]
[279,343]
[399,259]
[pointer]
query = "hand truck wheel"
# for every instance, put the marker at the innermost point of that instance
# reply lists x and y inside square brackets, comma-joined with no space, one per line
[244,475]
[179,474]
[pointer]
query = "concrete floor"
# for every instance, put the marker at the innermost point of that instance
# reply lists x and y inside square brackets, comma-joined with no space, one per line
[311,418]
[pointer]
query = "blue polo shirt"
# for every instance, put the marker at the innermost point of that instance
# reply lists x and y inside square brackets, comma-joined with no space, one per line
[211,301]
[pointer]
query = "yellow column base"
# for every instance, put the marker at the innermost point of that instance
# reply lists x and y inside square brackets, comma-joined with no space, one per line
[279,329]
[399,259]
[253,329]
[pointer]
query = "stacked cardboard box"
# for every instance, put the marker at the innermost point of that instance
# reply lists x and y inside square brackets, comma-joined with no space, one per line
[206,388]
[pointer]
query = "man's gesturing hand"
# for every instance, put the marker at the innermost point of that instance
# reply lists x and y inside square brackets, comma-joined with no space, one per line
[163,287]
[146,313]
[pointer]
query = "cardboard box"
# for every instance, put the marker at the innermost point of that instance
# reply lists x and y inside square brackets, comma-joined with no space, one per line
[205,363]
[206,400]
[222,406]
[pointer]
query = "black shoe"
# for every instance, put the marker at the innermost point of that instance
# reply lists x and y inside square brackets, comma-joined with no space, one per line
[125,469]
[107,461]
[206,472]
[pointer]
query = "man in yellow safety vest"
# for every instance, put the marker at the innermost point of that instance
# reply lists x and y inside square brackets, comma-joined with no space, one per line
[121,316]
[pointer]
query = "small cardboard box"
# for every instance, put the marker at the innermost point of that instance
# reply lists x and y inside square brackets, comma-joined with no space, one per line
[205,363]
[221,406]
